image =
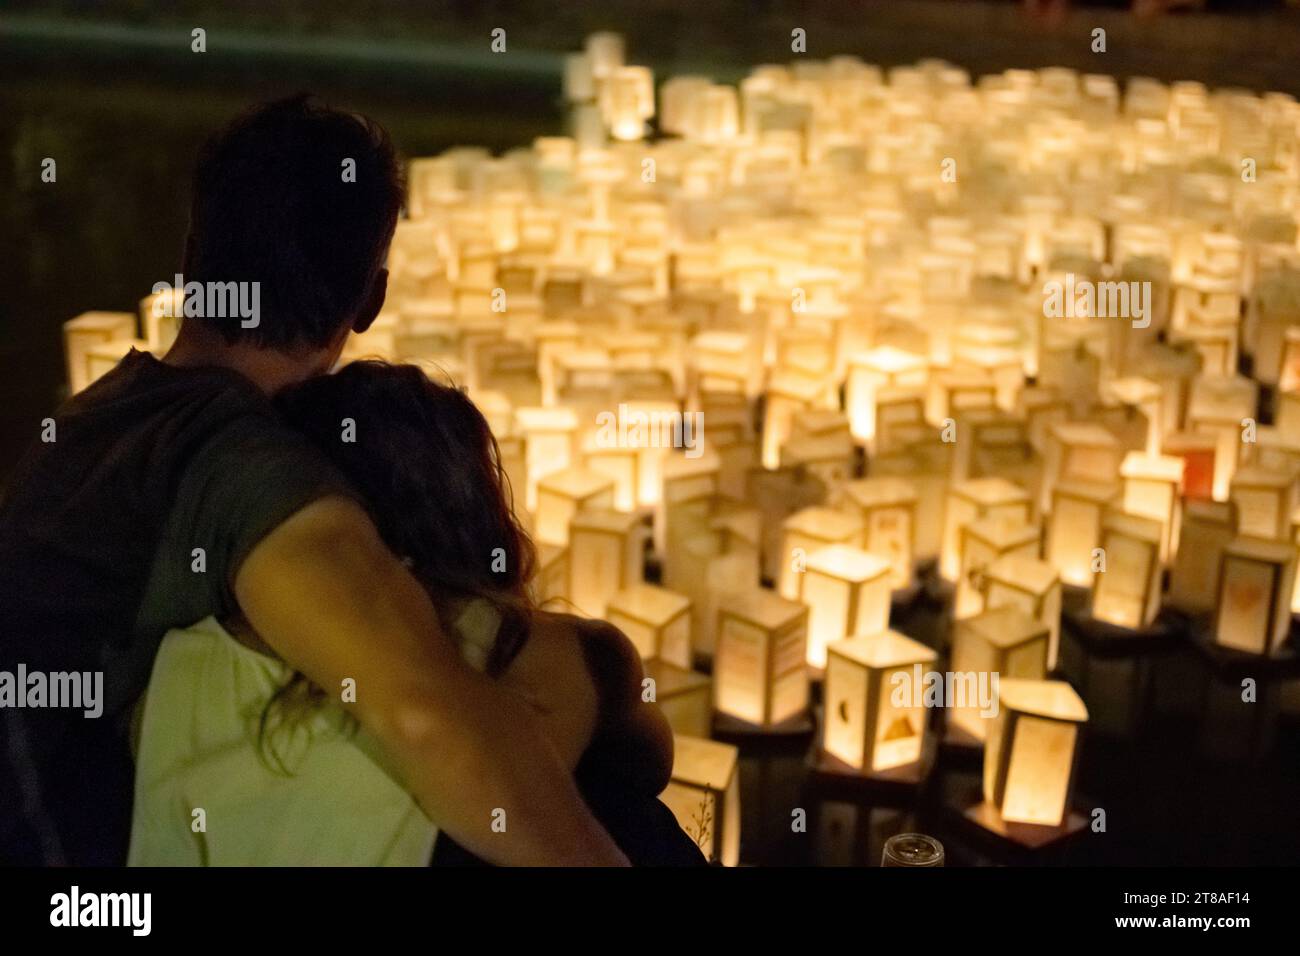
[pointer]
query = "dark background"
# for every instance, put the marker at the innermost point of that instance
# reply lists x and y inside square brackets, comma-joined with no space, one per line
[113,93]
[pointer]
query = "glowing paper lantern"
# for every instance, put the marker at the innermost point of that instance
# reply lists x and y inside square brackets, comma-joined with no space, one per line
[1207,528]
[656,620]
[1126,592]
[847,592]
[1150,489]
[606,554]
[1032,586]
[1074,528]
[704,796]
[875,719]
[1198,453]
[1080,451]
[1218,406]
[1003,641]
[1030,750]
[684,696]
[1256,581]
[1265,500]
[548,435]
[809,530]
[561,494]
[759,672]
[888,509]
[971,500]
[86,331]
[869,373]
[983,542]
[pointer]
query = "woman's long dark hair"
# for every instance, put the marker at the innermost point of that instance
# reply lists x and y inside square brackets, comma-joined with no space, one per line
[428,469]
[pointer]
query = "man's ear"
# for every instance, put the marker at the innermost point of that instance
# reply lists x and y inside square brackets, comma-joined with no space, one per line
[369,310]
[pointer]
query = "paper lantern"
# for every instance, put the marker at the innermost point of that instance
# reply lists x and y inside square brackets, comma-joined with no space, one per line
[1003,641]
[684,696]
[561,494]
[620,464]
[1150,489]
[1074,528]
[606,554]
[847,592]
[874,370]
[1198,453]
[787,393]
[759,672]
[548,435]
[704,796]
[1030,750]
[896,408]
[717,564]
[1256,582]
[888,509]
[982,542]
[1265,500]
[1207,528]
[1032,586]
[974,499]
[86,331]
[656,620]
[1126,591]
[1217,407]
[1080,451]
[809,530]
[875,720]
[684,479]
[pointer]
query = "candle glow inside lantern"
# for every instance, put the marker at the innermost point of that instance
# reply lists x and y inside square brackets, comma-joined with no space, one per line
[656,620]
[1074,528]
[606,554]
[1126,591]
[684,696]
[704,796]
[1256,582]
[809,530]
[1003,641]
[847,592]
[561,494]
[1031,585]
[982,543]
[1030,750]
[548,446]
[87,331]
[759,672]
[888,508]
[971,500]
[1151,490]
[873,722]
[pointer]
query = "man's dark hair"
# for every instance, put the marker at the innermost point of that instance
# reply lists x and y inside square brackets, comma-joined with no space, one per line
[272,205]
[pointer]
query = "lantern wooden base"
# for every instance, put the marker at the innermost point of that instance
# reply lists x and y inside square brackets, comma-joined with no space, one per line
[833,774]
[1232,730]
[1024,836]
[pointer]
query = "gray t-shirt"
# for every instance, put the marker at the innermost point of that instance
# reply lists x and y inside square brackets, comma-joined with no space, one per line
[135,520]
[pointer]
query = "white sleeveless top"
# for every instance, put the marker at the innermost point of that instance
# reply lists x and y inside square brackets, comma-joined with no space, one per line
[198,751]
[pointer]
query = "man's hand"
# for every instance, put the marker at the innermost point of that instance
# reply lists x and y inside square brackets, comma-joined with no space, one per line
[330,598]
